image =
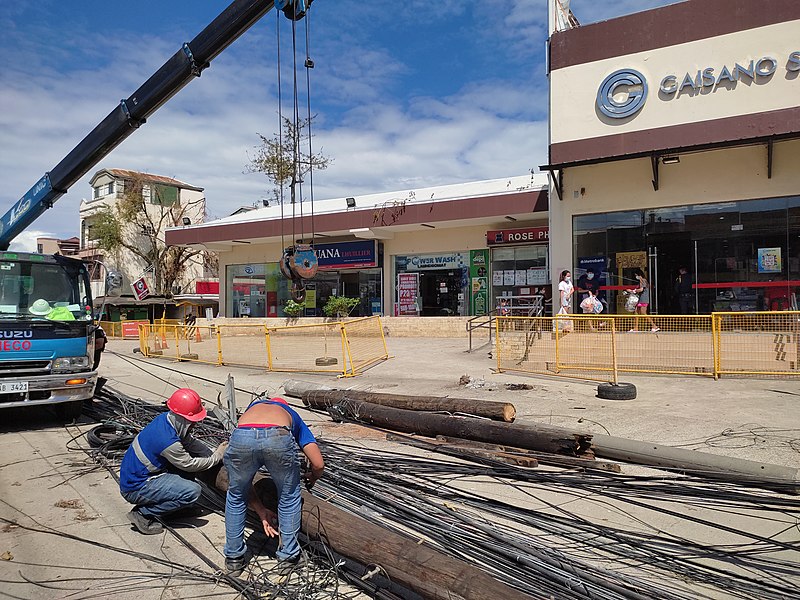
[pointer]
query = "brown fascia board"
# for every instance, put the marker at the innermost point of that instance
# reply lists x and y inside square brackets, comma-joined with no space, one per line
[532,201]
[674,138]
[665,26]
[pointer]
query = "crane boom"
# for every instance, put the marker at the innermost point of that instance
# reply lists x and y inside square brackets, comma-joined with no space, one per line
[186,64]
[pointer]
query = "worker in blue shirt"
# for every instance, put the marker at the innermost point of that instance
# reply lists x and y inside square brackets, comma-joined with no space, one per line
[153,474]
[268,435]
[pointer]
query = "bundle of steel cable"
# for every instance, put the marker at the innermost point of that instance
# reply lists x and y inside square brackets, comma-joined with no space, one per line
[534,543]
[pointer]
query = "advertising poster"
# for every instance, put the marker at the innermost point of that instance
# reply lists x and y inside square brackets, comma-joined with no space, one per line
[407,292]
[769,260]
[479,276]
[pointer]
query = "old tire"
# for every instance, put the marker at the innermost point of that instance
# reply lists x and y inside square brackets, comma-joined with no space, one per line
[616,391]
[69,411]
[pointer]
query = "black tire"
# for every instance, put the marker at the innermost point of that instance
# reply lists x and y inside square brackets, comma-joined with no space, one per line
[69,411]
[616,391]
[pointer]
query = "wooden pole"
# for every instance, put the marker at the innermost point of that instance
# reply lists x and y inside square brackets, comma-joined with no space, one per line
[408,562]
[498,411]
[532,437]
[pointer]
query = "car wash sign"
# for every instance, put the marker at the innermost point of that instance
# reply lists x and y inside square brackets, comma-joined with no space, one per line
[526,235]
[346,255]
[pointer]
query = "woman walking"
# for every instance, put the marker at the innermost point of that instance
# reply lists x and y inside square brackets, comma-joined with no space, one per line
[644,301]
[565,291]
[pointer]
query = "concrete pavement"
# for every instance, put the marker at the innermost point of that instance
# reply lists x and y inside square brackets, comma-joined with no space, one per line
[47,484]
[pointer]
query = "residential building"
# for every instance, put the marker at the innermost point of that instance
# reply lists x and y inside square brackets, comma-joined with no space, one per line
[169,202]
[67,247]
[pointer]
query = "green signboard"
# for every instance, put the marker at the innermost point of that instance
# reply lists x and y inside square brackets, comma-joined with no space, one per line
[479,282]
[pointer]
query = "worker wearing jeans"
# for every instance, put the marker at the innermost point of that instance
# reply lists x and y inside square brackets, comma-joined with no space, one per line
[269,434]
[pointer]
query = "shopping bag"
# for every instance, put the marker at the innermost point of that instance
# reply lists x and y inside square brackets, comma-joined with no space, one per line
[631,301]
[563,325]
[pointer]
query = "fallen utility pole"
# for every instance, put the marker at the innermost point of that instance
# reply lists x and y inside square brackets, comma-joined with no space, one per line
[735,470]
[465,450]
[497,411]
[543,457]
[406,561]
[532,437]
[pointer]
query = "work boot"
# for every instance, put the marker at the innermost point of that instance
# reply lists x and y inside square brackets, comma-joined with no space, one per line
[235,566]
[143,524]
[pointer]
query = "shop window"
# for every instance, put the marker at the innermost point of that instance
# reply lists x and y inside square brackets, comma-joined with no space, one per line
[741,256]
[519,275]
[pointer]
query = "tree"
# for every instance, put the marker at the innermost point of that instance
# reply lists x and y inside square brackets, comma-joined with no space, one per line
[285,159]
[137,221]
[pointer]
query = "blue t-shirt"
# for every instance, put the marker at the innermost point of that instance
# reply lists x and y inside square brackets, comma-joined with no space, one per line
[300,431]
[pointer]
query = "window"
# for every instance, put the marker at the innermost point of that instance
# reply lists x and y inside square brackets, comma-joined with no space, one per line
[103,190]
[165,195]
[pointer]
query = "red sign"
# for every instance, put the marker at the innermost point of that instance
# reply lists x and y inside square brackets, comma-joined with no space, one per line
[407,292]
[526,235]
[15,346]
[130,329]
[140,289]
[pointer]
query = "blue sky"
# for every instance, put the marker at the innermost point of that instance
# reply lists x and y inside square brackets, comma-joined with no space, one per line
[407,94]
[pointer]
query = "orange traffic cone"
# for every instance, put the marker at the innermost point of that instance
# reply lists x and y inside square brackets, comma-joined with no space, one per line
[163,340]
[197,337]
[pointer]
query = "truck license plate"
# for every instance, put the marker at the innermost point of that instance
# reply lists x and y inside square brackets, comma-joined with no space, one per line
[14,387]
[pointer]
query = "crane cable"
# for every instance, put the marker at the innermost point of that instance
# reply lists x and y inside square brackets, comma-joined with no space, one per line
[309,64]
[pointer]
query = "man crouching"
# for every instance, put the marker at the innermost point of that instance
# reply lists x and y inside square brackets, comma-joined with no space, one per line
[154,471]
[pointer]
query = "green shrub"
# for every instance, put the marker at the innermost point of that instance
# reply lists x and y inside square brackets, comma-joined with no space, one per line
[339,306]
[293,309]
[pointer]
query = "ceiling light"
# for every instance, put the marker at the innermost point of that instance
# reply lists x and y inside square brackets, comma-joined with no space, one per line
[510,218]
[428,226]
[670,160]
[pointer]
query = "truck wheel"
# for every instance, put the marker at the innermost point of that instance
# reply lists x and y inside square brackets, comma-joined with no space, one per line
[69,411]
[616,391]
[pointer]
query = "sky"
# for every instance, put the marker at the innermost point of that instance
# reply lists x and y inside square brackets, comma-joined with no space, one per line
[405,94]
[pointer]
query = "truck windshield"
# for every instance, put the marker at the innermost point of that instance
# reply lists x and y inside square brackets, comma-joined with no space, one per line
[42,290]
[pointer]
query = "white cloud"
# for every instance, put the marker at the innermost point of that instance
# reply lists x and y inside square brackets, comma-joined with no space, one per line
[404,98]
[26,241]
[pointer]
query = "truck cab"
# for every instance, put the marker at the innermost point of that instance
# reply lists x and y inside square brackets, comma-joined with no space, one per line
[47,332]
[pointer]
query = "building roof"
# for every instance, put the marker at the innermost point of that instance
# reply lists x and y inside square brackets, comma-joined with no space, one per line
[149,177]
[375,216]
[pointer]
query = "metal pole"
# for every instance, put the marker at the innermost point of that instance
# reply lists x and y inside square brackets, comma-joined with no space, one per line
[614,350]
[696,281]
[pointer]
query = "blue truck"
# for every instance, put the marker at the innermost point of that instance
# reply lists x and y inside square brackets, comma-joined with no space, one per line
[47,332]
[47,329]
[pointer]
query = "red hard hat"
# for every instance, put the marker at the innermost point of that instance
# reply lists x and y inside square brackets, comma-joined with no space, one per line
[281,400]
[186,403]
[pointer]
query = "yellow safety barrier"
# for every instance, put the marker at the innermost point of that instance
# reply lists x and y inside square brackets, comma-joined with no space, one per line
[762,343]
[598,347]
[243,345]
[307,348]
[112,329]
[364,343]
[336,347]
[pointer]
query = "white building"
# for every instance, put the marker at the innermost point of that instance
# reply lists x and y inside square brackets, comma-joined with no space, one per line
[170,202]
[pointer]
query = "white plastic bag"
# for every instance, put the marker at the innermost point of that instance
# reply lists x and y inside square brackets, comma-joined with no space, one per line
[563,325]
[631,302]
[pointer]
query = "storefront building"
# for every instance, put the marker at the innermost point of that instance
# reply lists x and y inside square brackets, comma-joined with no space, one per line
[677,146]
[398,255]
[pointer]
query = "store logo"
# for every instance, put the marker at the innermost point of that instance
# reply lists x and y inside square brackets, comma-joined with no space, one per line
[625,81]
